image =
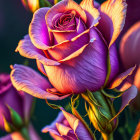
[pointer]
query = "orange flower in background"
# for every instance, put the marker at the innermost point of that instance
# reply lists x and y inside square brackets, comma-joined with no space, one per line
[31,5]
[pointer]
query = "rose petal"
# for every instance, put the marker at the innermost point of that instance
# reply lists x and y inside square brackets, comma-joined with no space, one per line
[5,82]
[61,51]
[60,37]
[129,95]
[114,62]
[38,31]
[40,67]
[63,130]
[121,78]
[60,118]
[129,46]
[77,126]
[29,81]
[63,6]
[56,137]
[27,49]
[92,13]
[82,70]
[113,14]
[28,100]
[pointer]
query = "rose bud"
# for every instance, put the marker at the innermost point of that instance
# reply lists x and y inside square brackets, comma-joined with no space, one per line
[67,126]
[130,55]
[15,107]
[70,49]
[101,113]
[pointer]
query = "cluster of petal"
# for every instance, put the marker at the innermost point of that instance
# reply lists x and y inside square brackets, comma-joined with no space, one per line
[67,126]
[70,49]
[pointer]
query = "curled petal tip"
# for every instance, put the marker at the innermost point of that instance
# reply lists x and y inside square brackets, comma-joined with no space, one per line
[11,67]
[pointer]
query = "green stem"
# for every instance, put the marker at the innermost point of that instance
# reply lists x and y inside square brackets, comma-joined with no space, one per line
[107,136]
[25,133]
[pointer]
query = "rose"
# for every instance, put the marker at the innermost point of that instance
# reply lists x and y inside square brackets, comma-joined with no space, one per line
[130,55]
[18,101]
[70,49]
[67,126]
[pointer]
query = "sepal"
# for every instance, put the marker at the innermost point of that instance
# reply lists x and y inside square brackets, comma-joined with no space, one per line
[100,114]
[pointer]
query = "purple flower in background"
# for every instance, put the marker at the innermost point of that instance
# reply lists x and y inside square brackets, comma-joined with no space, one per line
[71,44]
[19,101]
[130,55]
[132,15]
[67,126]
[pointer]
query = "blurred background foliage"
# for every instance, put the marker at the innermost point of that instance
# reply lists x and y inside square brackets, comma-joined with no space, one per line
[14,22]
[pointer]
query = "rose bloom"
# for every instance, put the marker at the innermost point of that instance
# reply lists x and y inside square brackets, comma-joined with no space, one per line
[130,55]
[19,101]
[66,126]
[71,44]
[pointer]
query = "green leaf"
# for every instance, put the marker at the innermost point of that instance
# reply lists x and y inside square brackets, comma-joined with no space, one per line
[16,118]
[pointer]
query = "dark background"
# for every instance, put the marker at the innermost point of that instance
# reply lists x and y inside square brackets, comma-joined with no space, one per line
[14,22]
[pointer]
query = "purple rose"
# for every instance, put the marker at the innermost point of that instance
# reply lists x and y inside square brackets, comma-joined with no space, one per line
[19,101]
[67,126]
[71,44]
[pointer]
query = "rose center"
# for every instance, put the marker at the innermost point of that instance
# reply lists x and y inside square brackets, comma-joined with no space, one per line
[66,21]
